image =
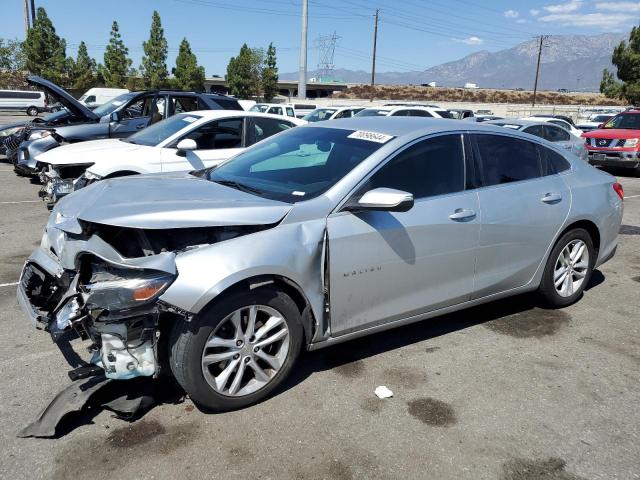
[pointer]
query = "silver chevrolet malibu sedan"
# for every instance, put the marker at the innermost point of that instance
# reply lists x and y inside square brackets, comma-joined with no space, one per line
[315,236]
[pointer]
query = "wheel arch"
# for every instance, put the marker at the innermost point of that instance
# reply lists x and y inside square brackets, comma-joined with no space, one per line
[591,228]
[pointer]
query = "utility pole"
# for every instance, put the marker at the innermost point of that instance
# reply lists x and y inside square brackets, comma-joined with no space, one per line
[302,71]
[373,62]
[26,18]
[33,12]
[535,85]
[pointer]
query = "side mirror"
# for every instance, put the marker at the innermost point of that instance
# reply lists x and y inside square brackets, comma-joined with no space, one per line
[115,117]
[384,199]
[185,145]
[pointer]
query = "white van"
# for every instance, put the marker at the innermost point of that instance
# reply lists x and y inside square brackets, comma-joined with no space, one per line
[98,96]
[25,100]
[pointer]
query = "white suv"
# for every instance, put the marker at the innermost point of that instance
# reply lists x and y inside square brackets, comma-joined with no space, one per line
[285,109]
[404,111]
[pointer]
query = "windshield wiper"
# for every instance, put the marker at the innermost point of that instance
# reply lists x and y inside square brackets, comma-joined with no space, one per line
[239,186]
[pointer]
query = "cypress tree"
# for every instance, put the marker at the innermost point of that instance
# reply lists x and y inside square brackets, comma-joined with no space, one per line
[45,51]
[116,62]
[188,75]
[154,61]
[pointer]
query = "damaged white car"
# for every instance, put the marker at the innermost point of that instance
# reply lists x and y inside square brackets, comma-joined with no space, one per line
[314,236]
[185,141]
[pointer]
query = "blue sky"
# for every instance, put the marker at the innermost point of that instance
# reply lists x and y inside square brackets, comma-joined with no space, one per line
[413,34]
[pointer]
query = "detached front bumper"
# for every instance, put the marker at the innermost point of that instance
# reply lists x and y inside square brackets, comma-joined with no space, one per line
[614,158]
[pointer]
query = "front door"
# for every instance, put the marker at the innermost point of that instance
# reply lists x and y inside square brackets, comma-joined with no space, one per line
[134,117]
[385,266]
[522,210]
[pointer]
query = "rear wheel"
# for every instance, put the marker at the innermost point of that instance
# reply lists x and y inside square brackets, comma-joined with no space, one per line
[568,269]
[237,351]
[32,111]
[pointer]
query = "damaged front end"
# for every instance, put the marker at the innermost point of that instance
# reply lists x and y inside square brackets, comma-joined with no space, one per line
[103,283]
[59,181]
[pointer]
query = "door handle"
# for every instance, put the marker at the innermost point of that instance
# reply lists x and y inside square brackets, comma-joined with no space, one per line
[552,198]
[462,214]
[139,127]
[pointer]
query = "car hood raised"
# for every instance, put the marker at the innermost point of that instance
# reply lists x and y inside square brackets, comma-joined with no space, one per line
[88,152]
[61,95]
[162,201]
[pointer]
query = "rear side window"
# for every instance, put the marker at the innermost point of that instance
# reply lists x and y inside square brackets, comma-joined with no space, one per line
[428,168]
[227,103]
[556,134]
[419,113]
[552,162]
[20,95]
[537,130]
[506,159]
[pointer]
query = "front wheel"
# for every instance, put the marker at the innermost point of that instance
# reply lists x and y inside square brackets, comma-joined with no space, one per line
[568,269]
[238,350]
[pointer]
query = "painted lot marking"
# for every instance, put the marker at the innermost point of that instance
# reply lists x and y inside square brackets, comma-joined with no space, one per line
[11,284]
[20,201]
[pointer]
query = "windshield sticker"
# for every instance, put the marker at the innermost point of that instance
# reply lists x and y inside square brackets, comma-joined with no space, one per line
[371,136]
[190,119]
[298,194]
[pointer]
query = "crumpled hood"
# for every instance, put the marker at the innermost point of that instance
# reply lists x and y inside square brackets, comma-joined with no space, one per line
[174,200]
[87,152]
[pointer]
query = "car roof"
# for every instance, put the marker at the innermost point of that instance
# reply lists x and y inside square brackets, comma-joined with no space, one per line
[522,122]
[407,127]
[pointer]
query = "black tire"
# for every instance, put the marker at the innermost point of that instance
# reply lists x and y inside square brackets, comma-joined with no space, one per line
[547,289]
[32,111]
[187,343]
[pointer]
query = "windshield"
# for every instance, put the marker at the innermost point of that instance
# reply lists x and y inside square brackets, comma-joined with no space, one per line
[319,115]
[112,105]
[297,165]
[625,121]
[158,132]
[259,108]
[372,112]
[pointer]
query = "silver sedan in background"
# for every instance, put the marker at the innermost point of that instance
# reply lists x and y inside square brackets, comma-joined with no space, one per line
[549,132]
[312,237]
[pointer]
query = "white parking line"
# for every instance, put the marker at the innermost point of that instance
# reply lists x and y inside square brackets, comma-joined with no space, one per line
[8,284]
[21,201]
[631,196]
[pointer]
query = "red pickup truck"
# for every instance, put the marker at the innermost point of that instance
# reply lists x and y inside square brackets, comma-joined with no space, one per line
[616,143]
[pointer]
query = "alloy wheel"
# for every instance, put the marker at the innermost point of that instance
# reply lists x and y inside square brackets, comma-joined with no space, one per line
[246,350]
[571,268]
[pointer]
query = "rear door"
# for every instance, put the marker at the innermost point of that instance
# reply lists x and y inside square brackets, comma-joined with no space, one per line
[522,210]
[385,266]
[217,141]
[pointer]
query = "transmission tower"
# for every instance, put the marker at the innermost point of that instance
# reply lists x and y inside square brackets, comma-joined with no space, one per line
[326,45]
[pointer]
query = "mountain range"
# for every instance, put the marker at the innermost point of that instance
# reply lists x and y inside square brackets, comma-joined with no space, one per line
[574,62]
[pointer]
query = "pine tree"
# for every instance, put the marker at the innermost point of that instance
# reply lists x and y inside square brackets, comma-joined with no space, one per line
[154,61]
[626,57]
[116,62]
[84,69]
[45,51]
[188,75]
[609,86]
[270,74]
[244,72]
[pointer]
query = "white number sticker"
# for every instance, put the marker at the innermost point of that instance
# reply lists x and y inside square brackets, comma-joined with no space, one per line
[371,136]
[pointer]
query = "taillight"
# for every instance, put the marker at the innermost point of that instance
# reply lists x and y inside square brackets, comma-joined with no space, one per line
[619,190]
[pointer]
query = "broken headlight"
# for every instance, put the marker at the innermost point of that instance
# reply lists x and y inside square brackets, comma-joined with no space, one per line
[113,288]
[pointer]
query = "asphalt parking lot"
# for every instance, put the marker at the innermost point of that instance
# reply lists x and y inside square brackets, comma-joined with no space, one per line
[505,391]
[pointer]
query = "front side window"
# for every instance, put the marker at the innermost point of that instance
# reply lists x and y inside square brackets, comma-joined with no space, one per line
[90,99]
[419,113]
[507,159]
[290,112]
[139,108]
[556,134]
[184,104]
[219,134]
[319,115]
[258,107]
[112,105]
[428,168]
[276,110]
[300,164]
[159,132]
[265,127]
